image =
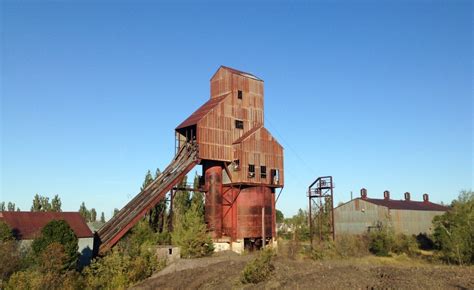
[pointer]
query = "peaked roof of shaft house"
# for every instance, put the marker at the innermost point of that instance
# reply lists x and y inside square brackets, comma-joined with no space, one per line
[27,225]
[201,112]
[407,204]
[239,72]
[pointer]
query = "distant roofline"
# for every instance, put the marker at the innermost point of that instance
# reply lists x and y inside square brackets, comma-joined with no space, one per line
[402,204]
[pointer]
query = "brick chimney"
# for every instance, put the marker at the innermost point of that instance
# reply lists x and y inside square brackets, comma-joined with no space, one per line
[426,197]
[363,193]
[386,195]
[407,196]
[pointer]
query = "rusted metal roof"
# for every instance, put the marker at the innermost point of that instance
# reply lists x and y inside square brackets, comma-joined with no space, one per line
[28,225]
[238,72]
[247,134]
[201,112]
[407,204]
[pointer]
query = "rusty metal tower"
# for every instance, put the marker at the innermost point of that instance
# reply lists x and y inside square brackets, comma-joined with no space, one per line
[321,207]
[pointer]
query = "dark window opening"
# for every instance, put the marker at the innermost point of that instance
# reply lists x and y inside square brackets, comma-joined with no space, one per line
[263,171]
[275,176]
[251,170]
[239,124]
[170,251]
[236,164]
[239,95]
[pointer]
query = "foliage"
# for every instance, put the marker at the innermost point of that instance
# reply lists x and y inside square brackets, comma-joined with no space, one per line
[41,203]
[259,269]
[2,206]
[323,250]
[11,206]
[406,244]
[279,216]
[29,279]
[454,231]
[351,245]
[84,212]
[116,211]
[6,233]
[381,241]
[102,217]
[10,259]
[93,215]
[118,269]
[60,232]
[56,204]
[182,201]
[299,226]
[190,233]
[197,199]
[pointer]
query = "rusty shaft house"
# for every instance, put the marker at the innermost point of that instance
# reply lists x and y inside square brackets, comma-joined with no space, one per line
[406,216]
[242,166]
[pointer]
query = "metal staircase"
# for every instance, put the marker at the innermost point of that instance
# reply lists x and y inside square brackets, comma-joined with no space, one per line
[130,214]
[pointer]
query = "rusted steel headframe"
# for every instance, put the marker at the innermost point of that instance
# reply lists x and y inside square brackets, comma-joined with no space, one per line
[321,198]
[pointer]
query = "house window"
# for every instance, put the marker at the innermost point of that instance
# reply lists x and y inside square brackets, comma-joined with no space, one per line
[251,170]
[263,171]
[239,95]
[239,124]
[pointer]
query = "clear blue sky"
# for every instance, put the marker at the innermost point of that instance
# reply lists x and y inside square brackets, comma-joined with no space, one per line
[376,93]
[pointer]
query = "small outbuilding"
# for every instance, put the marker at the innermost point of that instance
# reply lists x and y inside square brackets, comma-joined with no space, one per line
[363,214]
[26,226]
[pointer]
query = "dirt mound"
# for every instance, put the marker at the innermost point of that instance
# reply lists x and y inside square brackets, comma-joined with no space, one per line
[223,272]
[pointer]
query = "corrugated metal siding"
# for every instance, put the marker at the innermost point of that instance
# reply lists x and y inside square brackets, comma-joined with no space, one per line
[413,221]
[356,216]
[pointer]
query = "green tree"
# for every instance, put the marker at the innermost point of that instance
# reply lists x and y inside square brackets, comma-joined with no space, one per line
[41,203]
[45,205]
[56,204]
[197,200]
[156,215]
[6,233]
[58,231]
[93,215]
[11,206]
[116,211]
[36,203]
[2,206]
[190,233]
[147,181]
[102,217]
[182,201]
[279,216]
[84,212]
[454,230]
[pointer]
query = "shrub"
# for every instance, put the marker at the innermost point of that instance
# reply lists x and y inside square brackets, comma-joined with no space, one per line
[352,245]
[109,272]
[118,270]
[406,244]
[259,269]
[58,231]
[454,231]
[10,260]
[29,279]
[323,250]
[381,241]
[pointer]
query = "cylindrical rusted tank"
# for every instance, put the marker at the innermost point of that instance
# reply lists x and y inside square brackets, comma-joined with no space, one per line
[249,212]
[213,179]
